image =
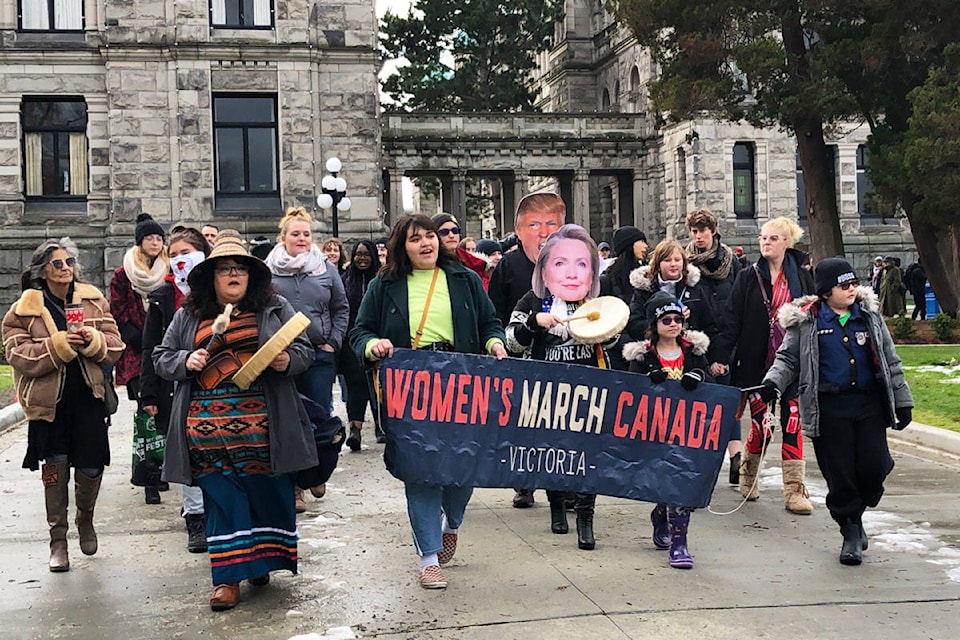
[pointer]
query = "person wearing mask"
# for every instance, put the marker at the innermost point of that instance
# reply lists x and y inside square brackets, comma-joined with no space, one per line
[852,389]
[311,284]
[538,215]
[242,447]
[719,267]
[58,372]
[145,267]
[424,285]
[748,339]
[363,268]
[188,248]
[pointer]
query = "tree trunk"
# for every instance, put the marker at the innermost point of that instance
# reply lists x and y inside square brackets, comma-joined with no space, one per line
[939,250]
[820,189]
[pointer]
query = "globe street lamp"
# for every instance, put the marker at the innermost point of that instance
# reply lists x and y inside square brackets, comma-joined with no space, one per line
[334,196]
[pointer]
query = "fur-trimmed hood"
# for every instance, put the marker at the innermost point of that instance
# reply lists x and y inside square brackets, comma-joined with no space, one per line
[697,341]
[797,311]
[640,277]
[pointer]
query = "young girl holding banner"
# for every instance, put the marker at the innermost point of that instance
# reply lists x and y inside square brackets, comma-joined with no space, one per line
[565,276]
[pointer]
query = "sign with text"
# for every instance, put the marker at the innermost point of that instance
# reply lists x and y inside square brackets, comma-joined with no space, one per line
[467,420]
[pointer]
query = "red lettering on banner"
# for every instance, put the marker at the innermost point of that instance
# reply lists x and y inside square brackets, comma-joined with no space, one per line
[698,418]
[421,395]
[620,429]
[679,428]
[713,433]
[398,384]
[658,425]
[441,405]
[506,388]
[462,398]
[481,400]
[640,420]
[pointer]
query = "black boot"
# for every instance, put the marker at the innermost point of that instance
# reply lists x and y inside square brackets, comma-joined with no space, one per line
[851,553]
[735,469]
[558,512]
[584,508]
[196,533]
[864,543]
[151,494]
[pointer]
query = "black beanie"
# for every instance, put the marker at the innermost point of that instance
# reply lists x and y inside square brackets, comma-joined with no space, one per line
[488,247]
[147,226]
[624,238]
[443,218]
[833,271]
[660,304]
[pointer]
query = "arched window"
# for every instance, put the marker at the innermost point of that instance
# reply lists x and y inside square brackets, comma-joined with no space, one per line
[634,99]
[616,97]
[605,100]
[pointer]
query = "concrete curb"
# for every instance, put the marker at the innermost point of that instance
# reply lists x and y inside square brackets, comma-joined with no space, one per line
[11,415]
[926,436]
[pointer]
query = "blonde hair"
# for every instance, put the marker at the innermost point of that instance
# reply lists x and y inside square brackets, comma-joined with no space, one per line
[293,213]
[790,229]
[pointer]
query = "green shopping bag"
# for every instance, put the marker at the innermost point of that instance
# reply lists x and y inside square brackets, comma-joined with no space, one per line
[148,449]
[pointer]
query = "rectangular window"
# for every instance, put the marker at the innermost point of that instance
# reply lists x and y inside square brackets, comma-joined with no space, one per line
[55,147]
[241,14]
[51,15]
[744,178]
[245,140]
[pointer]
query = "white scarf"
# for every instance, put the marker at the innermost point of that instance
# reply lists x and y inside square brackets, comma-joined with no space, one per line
[182,266]
[281,263]
[143,282]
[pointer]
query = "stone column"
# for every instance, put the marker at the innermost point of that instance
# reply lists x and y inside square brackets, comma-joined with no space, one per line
[641,219]
[581,198]
[395,196]
[514,189]
[458,199]
[446,193]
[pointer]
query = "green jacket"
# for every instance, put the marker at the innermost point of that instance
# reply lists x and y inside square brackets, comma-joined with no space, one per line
[384,313]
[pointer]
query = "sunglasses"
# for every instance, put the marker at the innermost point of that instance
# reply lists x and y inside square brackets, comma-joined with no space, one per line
[443,233]
[669,320]
[846,286]
[58,264]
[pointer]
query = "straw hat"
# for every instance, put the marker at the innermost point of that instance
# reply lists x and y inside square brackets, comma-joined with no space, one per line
[229,244]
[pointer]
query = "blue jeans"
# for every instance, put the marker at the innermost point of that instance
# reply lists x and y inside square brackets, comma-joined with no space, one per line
[425,502]
[317,382]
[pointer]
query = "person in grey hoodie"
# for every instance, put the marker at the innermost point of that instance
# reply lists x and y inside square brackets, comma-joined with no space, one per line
[852,389]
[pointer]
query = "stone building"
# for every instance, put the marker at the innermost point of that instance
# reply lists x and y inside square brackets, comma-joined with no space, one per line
[193,111]
[743,174]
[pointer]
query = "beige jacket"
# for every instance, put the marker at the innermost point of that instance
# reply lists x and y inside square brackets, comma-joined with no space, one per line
[39,352]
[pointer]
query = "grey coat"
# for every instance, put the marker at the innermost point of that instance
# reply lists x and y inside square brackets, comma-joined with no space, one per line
[799,357]
[322,299]
[292,447]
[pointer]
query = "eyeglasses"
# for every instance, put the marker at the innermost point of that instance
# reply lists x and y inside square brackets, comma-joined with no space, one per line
[669,320]
[443,233]
[58,264]
[773,238]
[236,269]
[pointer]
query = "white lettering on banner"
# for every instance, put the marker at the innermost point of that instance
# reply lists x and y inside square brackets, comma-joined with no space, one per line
[562,408]
[563,462]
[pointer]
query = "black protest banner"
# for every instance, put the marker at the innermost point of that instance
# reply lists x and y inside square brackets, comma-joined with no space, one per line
[458,419]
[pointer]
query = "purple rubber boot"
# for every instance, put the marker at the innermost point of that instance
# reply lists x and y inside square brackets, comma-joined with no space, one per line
[679,555]
[661,530]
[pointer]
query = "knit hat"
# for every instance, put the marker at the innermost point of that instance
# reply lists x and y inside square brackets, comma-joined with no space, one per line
[603,245]
[624,238]
[831,272]
[147,226]
[229,244]
[738,251]
[488,247]
[660,304]
[443,218]
[260,247]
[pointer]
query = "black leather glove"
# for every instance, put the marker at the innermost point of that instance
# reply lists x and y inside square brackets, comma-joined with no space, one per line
[657,376]
[904,416]
[768,392]
[691,379]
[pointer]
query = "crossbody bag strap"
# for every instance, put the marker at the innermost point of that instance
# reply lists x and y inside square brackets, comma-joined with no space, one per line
[426,307]
[763,292]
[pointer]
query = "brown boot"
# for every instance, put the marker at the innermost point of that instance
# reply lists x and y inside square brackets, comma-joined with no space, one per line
[86,492]
[794,492]
[749,469]
[299,504]
[56,476]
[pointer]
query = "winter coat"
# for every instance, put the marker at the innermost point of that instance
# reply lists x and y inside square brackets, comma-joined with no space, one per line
[799,358]
[716,292]
[384,313]
[689,292]
[745,325]
[292,446]
[128,310]
[509,282]
[615,280]
[891,298]
[39,352]
[916,280]
[154,390]
[694,344]
[524,335]
[322,299]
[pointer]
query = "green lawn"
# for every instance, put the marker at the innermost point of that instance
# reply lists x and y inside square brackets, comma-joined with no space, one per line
[6,376]
[933,373]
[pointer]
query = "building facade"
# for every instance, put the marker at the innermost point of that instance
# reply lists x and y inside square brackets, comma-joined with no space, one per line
[194,111]
[743,174]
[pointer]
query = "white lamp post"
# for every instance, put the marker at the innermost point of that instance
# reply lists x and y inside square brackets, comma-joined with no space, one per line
[334,196]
